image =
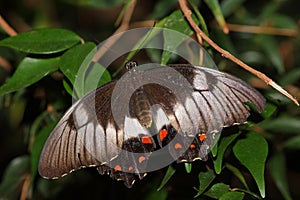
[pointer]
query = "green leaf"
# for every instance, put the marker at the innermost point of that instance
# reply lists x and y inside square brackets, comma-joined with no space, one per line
[14,175]
[237,173]
[252,152]
[217,190]
[217,12]
[96,77]
[233,196]
[230,6]
[205,179]
[72,59]
[278,171]
[37,147]
[42,41]
[167,177]
[214,149]
[283,123]
[269,110]
[75,64]
[224,143]
[271,49]
[176,22]
[29,71]
[292,143]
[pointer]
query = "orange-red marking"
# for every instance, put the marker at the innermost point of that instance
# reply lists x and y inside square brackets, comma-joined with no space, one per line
[117,168]
[141,159]
[202,137]
[130,168]
[146,140]
[163,134]
[192,146]
[178,146]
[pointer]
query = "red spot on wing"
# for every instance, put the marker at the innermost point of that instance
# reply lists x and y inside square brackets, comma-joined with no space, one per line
[146,140]
[117,168]
[163,134]
[130,168]
[192,146]
[141,159]
[202,137]
[178,146]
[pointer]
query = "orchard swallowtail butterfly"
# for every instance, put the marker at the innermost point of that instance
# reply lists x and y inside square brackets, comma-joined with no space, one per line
[89,136]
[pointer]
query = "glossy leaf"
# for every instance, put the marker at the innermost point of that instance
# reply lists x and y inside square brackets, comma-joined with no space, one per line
[29,71]
[71,60]
[252,152]
[42,41]
[224,143]
[205,179]
[278,171]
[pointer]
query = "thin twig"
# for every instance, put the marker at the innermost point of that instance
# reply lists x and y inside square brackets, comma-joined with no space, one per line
[7,28]
[187,13]
[123,27]
[263,30]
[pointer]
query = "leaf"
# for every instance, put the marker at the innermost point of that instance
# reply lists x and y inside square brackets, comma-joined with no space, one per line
[167,177]
[224,143]
[271,49]
[75,63]
[283,123]
[175,22]
[205,179]
[217,190]
[238,174]
[217,12]
[13,177]
[233,196]
[42,41]
[252,152]
[37,147]
[292,143]
[29,71]
[230,6]
[96,77]
[269,110]
[278,171]
[72,59]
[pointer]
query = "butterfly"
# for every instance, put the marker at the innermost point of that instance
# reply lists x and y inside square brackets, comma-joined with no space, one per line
[150,118]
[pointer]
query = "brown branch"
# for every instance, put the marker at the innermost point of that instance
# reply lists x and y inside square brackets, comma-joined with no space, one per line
[187,13]
[6,27]
[124,26]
